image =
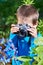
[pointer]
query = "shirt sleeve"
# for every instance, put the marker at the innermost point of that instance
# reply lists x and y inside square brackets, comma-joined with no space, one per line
[12,35]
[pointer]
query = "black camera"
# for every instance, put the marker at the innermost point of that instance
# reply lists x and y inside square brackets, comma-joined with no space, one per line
[23,30]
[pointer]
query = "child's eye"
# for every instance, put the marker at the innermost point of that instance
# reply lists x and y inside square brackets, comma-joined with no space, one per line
[27,25]
[20,24]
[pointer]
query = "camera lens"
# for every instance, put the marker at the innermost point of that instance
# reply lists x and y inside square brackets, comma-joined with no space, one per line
[22,32]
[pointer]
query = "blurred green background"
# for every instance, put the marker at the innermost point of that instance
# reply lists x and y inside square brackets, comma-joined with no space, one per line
[8,10]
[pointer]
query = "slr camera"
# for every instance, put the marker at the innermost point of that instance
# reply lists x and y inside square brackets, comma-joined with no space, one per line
[23,30]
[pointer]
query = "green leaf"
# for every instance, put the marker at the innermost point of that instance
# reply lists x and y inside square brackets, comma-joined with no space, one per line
[28,1]
[41,62]
[37,59]
[35,63]
[24,58]
[40,51]
[38,41]
[26,63]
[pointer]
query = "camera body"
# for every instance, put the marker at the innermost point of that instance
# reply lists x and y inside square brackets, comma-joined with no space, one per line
[23,30]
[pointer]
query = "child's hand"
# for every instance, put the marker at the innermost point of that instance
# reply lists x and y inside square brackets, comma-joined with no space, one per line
[14,29]
[33,31]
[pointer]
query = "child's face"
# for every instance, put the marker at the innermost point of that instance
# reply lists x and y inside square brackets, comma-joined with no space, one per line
[29,21]
[32,21]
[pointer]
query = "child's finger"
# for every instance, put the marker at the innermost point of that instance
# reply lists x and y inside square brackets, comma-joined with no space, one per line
[30,29]
[33,34]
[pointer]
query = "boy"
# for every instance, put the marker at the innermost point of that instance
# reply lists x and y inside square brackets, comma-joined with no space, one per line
[26,14]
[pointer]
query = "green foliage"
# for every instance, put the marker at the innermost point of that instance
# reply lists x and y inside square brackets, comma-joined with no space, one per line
[39,58]
[39,51]
[25,59]
[39,4]
[7,14]
[41,62]
[28,1]
[39,41]
[40,26]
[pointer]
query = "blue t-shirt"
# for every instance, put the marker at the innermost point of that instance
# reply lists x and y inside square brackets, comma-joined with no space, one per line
[23,45]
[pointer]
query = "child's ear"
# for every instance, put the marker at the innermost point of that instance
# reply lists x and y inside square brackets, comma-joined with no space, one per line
[36,24]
